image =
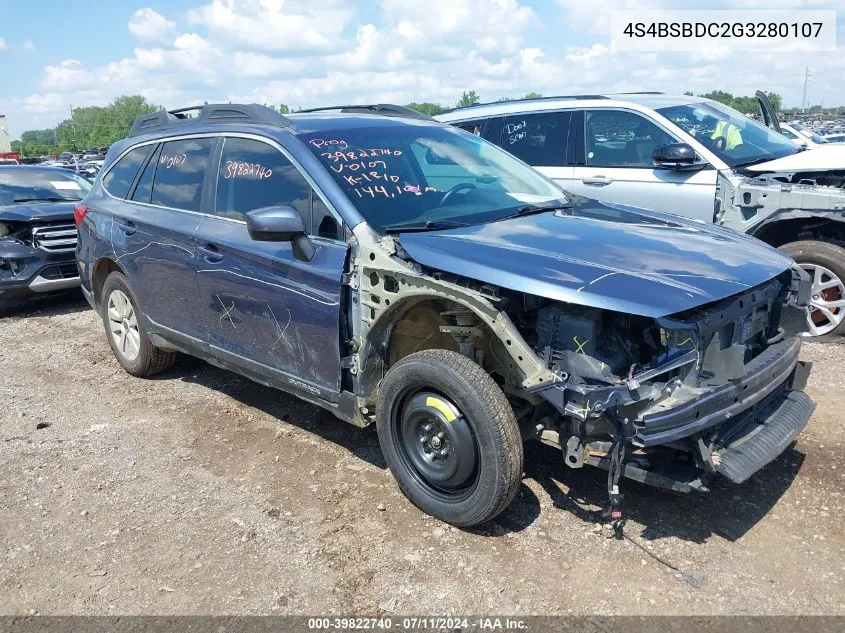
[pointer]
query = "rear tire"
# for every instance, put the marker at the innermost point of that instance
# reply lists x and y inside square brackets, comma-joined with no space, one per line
[126,330]
[449,436]
[825,263]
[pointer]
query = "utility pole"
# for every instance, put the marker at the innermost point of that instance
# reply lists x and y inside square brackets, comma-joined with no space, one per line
[804,96]
[808,72]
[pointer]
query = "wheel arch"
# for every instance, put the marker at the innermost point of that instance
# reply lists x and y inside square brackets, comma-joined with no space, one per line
[101,269]
[412,323]
[795,225]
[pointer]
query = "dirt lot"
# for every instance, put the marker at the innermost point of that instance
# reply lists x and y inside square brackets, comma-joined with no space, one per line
[201,492]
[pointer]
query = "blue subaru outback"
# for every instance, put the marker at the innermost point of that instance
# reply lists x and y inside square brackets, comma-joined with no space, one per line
[402,272]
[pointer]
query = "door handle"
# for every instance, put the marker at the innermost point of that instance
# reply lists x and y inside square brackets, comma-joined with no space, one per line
[127,227]
[596,181]
[211,253]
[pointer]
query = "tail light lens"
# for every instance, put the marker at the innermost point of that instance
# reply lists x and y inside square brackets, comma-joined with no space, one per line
[79,212]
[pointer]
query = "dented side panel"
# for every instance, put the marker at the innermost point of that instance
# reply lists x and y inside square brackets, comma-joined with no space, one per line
[261,303]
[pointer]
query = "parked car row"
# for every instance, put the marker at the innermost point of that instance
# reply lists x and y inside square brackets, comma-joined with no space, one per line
[401,272]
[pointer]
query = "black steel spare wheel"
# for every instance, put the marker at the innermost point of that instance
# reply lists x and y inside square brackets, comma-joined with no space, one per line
[449,436]
[438,443]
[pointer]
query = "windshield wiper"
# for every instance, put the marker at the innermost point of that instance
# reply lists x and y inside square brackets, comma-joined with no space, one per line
[431,225]
[533,209]
[47,199]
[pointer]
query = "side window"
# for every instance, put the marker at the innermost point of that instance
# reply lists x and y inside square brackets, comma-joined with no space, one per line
[538,139]
[144,188]
[616,138]
[180,171]
[473,127]
[120,177]
[254,174]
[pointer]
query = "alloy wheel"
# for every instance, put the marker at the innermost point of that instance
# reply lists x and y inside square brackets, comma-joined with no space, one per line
[123,325]
[827,300]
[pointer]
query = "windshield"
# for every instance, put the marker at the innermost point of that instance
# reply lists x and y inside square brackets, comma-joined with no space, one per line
[20,184]
[731,136]
[404,175]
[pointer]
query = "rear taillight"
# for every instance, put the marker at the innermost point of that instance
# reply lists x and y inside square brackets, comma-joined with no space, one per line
[79,212]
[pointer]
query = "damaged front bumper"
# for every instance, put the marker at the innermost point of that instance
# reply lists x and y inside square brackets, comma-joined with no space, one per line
[775,368]
[28,271]
[679,441]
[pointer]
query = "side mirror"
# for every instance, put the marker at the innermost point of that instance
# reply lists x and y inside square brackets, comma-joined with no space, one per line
[280,224]
[675,156]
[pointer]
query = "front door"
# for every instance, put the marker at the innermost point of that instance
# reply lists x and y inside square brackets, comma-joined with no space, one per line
[617,166]
[262,308]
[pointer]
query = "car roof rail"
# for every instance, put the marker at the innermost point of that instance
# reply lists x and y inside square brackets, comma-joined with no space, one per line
[385,109]
[643,92]
[552,98]
[208,113]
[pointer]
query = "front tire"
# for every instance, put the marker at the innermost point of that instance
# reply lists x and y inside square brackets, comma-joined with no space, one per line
[825,263]
[449,436]
[126,330]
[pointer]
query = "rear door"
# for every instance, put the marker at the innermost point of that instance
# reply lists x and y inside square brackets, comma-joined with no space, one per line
[542,140]
[615,165]
[153,229]
[261,307]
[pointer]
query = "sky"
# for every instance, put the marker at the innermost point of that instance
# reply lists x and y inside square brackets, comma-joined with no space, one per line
[56,55]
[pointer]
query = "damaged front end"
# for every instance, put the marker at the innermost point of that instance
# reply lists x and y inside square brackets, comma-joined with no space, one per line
[672,401]
[36,257]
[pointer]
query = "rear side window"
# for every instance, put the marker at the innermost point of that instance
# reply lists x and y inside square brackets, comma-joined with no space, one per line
[120,177]
[144,188]
[538,139]
[180,171]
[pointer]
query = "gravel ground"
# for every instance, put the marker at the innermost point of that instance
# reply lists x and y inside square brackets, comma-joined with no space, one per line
[201,492]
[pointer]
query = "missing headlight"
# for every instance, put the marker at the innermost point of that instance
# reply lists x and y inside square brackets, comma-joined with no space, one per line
[595,345]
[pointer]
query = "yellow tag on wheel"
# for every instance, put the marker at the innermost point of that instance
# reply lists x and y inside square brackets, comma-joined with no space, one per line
[437,403]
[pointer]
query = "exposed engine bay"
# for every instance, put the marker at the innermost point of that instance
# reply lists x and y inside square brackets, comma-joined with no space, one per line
[631,380]
[831,178]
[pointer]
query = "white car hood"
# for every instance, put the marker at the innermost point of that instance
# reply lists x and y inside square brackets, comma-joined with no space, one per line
[820,158]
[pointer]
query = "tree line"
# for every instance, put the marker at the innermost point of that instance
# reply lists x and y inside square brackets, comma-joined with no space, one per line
[94,126]
[100,126]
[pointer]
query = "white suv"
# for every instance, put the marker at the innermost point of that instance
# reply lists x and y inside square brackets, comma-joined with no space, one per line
[692,157]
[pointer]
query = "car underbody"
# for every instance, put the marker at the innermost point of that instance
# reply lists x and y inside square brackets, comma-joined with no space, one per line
[667,401]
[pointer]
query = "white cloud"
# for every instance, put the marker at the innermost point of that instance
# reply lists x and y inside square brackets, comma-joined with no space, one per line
[29,45]
[276,25]
[259,65]
[146,24]
[305,53]
[3,45]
